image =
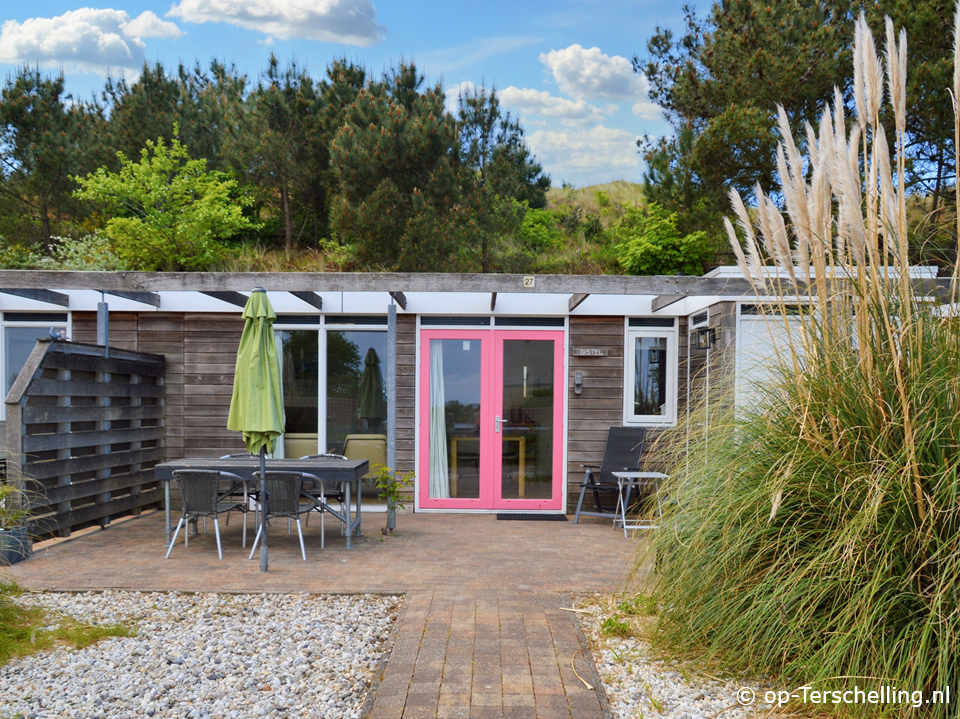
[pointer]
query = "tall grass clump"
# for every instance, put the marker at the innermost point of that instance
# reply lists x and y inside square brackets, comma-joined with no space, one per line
[815,536]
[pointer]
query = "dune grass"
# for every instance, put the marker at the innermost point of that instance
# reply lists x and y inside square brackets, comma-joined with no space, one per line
[26,630]
[815,536]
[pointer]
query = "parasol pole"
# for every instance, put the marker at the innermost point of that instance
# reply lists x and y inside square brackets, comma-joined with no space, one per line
[263,509]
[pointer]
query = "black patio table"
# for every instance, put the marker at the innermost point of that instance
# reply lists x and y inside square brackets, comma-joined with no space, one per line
[343,472]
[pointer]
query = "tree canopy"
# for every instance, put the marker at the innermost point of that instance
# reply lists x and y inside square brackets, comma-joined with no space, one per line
[722,76]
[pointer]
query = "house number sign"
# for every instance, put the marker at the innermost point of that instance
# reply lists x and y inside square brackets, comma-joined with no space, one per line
[591,351]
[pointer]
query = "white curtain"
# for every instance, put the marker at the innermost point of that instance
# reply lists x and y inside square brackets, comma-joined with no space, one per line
[278,344]
[439,473]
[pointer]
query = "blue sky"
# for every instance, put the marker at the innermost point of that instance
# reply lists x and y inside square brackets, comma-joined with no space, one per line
[562,66]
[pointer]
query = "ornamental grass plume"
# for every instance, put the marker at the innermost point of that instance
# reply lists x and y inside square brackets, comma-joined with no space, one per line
[816,537]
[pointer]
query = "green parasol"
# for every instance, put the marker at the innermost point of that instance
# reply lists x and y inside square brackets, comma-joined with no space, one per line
[256,408]
[371,406]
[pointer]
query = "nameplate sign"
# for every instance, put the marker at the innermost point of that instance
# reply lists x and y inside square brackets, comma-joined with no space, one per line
[591,351]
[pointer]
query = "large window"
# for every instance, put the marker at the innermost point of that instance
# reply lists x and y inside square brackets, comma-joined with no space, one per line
[356,397]
[20,332]
[650,372]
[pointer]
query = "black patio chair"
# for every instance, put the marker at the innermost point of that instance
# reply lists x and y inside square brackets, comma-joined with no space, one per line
[284,494]
[623,453]
[203,496]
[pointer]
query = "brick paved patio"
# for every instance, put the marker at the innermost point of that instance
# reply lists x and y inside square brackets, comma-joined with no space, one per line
[482,634]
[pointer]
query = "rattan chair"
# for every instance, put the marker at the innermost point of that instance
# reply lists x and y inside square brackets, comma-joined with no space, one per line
[284,494]
[203,496]
[622,454]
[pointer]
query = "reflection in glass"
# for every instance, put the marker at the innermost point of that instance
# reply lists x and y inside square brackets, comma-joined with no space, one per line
[527,426]
[299,358]
[354,403]
[19,343]
[454,421]
[650,376]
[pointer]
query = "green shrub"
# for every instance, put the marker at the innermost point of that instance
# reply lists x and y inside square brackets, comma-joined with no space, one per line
[650,244]
[539,230]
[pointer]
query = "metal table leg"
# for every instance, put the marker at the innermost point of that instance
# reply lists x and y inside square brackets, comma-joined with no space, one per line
[167,529]
[349,521]
[359,515]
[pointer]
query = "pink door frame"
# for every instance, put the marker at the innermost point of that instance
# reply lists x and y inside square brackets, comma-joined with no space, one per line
[491,405]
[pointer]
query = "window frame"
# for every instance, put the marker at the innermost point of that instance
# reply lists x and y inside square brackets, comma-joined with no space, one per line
[669,418]
[6,324]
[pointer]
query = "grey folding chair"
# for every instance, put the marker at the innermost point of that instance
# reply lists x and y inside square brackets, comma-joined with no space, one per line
[284,492]
[203,496]
[622,454]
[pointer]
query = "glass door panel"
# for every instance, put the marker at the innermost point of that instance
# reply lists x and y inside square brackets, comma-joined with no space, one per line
[452,413]
[530,406]
[526,429]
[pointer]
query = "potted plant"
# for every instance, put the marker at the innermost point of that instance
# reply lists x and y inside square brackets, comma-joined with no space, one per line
[390,487]
[15,542]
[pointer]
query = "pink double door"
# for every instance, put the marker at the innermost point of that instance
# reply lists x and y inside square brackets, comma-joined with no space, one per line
[491,419]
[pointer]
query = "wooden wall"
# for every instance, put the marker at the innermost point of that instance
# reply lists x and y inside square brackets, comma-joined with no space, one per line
[600,404]
[406,391]
[201,351]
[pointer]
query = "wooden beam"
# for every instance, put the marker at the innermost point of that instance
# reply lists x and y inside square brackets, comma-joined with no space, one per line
[311,298]
[400,299]
[146,298]
[234,298]
[493,301]
[576,300]
[486,283]
[40,295]
[661,301]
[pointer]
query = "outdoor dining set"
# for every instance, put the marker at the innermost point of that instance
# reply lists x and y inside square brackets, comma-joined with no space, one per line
[211,488]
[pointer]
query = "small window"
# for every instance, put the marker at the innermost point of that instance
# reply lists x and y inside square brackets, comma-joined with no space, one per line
[20,332]
[650,376]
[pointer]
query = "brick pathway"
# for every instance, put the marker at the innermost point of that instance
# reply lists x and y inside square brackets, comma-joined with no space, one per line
[482,633]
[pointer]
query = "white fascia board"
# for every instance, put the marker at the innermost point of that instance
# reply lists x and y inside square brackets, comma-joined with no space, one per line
[616,305]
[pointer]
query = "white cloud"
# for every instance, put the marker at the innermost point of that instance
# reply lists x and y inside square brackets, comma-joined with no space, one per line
[587,156]
[84,40]
[147,24]
[353,22]
[589,74]
[543,104]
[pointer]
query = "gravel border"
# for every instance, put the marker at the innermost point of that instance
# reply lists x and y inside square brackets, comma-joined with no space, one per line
[207,655]
[639,685]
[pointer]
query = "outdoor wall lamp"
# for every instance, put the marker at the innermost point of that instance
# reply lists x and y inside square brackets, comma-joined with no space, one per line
[577,382]
[705,338]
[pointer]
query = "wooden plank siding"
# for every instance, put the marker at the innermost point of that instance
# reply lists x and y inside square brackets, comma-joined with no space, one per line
[201,350]
[406,391]
[600,404]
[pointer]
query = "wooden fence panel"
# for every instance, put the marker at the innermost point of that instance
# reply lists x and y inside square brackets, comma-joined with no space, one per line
[85,426]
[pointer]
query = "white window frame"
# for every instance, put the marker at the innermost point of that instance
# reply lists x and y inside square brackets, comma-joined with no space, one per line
[5,324]
[669,418]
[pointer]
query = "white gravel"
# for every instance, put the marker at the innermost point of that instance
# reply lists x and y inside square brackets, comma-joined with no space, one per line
[637,685]
[222,656]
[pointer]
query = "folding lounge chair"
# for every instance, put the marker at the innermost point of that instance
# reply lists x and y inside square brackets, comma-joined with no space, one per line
[623,453]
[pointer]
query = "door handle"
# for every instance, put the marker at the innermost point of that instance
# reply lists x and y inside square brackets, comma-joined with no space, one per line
[496,424]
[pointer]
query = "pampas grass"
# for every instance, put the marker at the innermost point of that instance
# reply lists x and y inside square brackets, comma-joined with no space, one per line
[817,536]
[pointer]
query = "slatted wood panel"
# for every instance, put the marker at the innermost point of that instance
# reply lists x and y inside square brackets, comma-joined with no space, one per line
[406,383]
[83,433]
[600,404]
[210,344]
